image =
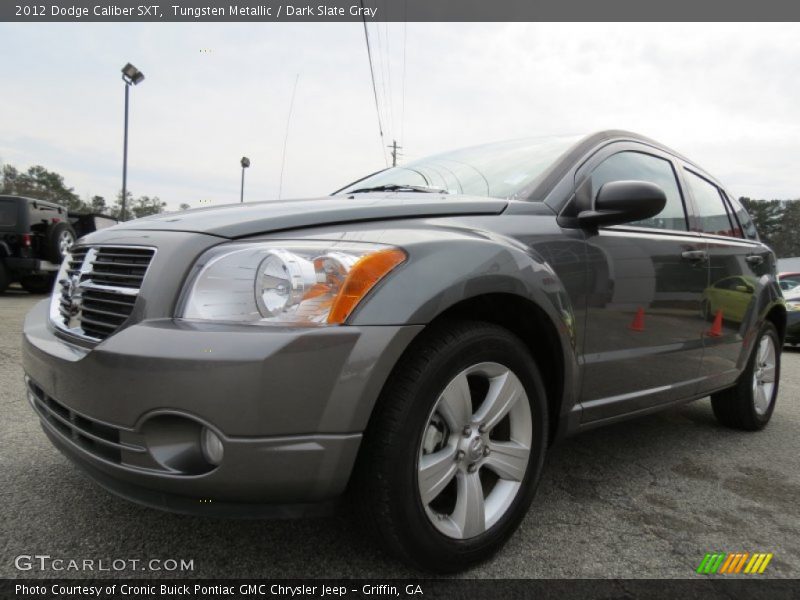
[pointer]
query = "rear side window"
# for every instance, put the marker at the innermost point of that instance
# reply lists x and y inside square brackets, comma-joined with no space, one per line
[748,227]
[713,214]
[8,213]
[645,167]
[736,229]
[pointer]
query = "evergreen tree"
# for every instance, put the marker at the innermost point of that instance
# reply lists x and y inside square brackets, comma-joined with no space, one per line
[786,242]
[37,182]
[98,204]
[767,216]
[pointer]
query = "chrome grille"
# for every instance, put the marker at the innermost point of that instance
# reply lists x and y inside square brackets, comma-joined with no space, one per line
[97,289]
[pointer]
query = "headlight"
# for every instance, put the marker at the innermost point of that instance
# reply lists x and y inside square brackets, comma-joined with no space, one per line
[286,283]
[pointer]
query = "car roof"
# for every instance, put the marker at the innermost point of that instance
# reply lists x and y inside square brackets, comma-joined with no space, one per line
[28,199]
[591,143]
[621,135]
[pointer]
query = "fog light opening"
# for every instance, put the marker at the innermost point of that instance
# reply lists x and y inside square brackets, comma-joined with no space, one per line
[212,447]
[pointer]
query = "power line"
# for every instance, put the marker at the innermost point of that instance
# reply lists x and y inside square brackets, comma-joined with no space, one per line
[372,75]
[286,136]
[382,61]
[403,105]
[389,69]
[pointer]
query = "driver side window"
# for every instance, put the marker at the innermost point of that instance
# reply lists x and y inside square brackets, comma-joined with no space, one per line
[645,167]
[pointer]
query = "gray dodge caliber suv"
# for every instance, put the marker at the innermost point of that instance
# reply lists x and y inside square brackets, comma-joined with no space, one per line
[411,344]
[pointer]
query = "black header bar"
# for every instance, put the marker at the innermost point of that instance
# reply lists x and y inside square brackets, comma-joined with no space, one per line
[398,10]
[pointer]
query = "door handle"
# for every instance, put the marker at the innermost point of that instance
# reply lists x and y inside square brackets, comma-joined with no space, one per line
[754,259]
[695,255]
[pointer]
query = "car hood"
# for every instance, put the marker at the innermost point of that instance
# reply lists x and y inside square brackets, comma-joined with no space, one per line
[252,218]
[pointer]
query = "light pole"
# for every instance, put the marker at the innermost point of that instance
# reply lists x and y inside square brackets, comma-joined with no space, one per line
[131,76]
[245,162]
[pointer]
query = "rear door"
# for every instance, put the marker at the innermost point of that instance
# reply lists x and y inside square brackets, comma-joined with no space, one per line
[643,343]
[736,262]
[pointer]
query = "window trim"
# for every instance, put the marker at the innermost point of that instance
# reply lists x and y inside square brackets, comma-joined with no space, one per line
[696,206]
[590,166]
[732,215]
[734,202]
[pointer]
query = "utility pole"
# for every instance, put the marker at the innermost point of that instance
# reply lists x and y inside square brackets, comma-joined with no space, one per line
[394,152]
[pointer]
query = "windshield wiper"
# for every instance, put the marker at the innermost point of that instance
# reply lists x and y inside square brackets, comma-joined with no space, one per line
[396,187]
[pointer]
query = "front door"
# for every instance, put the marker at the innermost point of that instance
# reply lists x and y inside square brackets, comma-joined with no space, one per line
[644,334]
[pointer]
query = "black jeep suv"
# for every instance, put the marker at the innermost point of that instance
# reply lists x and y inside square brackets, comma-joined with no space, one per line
[35,235]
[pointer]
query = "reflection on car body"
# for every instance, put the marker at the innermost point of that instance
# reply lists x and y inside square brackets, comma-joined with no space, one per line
[730,296]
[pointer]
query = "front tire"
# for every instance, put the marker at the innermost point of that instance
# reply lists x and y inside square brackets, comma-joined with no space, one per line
[750,403]
[453,453]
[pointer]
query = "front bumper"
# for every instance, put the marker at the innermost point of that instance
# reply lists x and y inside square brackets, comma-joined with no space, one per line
[289,405]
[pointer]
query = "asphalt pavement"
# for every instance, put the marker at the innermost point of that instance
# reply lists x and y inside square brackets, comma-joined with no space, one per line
[646,498]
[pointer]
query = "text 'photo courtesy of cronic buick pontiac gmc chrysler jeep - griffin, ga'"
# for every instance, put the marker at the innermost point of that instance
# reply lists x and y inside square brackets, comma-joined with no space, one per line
[411,345]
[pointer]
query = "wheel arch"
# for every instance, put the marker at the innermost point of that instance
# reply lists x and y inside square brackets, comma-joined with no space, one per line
[548,343]
[492,279]
[529,322]
[777,316]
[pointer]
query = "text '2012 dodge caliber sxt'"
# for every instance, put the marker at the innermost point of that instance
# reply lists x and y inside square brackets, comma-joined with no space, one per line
[412,343]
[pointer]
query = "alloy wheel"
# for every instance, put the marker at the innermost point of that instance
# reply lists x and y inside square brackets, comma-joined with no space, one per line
[65,241]
[764,374]
[475,450]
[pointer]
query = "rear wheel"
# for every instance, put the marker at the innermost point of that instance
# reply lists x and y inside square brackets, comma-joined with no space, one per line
[750,403]
[60,237]
[38,284]
[452,456]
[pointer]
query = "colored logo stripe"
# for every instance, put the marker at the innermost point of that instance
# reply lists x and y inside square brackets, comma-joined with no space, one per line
[724,563]
[710,563]
[758,563]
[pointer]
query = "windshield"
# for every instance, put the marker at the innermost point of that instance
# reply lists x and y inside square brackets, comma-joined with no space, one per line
[501,170]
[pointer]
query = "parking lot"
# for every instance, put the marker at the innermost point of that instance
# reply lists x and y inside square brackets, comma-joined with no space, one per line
[646,498]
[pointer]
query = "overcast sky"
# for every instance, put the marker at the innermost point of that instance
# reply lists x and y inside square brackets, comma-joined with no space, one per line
[727,96]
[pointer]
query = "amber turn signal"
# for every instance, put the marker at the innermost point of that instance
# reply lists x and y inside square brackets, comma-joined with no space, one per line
[363,276]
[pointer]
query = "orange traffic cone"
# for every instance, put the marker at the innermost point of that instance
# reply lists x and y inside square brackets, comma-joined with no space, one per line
[716,326]
[638,321]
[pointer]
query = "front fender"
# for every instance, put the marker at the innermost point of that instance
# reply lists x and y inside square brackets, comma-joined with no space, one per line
[440,273]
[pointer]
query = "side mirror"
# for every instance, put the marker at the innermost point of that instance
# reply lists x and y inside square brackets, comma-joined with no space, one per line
[620,202]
